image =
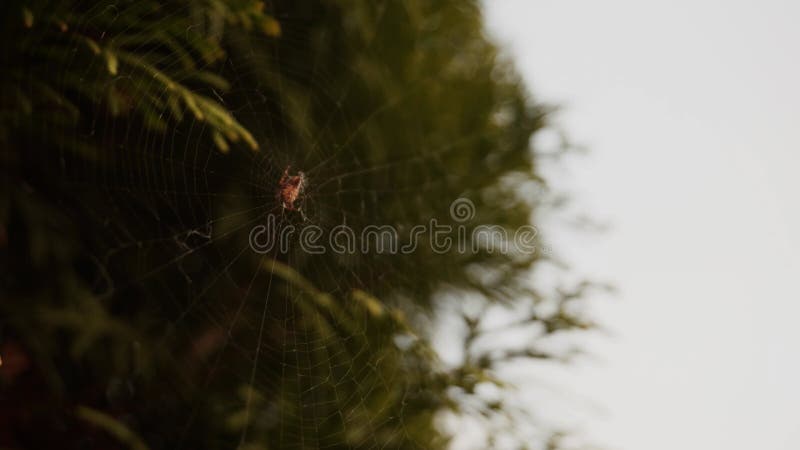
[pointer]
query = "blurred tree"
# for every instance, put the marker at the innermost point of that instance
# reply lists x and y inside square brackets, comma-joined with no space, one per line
[142,141]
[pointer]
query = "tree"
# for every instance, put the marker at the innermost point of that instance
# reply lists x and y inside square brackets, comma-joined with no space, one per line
[142,143]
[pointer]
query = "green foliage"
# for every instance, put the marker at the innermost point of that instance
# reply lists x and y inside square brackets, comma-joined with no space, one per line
[142,140]
[124,58]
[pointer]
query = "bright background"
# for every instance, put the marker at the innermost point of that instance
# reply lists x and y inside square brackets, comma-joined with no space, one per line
[691,112]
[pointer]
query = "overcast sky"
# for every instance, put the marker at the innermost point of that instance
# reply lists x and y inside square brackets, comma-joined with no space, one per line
[691,110]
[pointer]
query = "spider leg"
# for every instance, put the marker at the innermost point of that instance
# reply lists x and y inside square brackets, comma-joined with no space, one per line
[302,214]
[285,176]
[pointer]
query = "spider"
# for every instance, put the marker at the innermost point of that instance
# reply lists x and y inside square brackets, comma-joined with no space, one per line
[289,188]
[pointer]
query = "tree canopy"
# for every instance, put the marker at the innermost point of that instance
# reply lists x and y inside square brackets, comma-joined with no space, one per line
[142,142]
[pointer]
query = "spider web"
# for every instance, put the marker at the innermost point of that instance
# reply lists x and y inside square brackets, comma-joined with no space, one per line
[316,361]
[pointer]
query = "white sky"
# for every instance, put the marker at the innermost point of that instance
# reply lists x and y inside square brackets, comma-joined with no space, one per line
[691,110]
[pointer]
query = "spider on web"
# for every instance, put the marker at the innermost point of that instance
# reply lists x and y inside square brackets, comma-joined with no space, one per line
[290,187]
